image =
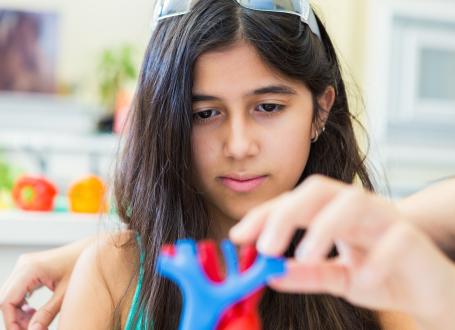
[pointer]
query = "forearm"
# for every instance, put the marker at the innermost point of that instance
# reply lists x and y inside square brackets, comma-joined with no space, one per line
[66,256]
[433,210]
[75,249]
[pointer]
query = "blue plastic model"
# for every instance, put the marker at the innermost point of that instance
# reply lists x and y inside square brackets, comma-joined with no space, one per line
[204,301]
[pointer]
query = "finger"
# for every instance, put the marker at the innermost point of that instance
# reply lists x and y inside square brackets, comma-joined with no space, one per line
[351,256]
[10,316]
[249,228]
[17,317]
[296,211]
[19,275]
[19,285]
[278,230]
[6,287]
[46,314]
[24,315]
[14,300]
[341,219]
[3,290]
[326,277]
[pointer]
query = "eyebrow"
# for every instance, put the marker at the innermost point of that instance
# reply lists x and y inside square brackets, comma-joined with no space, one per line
[273,89]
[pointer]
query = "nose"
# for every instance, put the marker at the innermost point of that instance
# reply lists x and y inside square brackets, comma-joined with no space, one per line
[241,140]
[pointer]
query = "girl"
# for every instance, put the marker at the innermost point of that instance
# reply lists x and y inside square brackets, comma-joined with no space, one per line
[236,106]
[228,103]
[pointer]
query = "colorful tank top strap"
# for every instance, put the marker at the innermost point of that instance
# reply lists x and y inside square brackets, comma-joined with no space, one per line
[134,309]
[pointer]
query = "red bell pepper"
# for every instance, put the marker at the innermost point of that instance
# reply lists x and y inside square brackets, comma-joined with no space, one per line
[34,194]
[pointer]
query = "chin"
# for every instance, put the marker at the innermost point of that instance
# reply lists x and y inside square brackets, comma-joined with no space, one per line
[237,212]
[235,207]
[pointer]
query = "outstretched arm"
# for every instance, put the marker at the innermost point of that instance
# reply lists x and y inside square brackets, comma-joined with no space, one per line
[433,210]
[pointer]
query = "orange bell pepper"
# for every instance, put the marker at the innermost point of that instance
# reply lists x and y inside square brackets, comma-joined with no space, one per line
[88,195]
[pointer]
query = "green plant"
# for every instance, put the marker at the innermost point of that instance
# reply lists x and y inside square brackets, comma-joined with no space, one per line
[7,176]
[116,68]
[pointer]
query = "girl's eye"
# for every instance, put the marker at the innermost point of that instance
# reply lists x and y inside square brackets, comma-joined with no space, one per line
[205,115]
[270,107]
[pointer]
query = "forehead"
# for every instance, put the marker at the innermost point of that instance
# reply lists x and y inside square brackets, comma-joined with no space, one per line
[235,70]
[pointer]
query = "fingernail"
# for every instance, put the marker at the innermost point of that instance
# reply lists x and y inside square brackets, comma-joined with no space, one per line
[235,231]
[264,243]
[301,253]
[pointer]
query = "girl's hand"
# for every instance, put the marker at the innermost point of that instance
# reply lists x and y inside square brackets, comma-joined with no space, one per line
[50,268]
[384,262]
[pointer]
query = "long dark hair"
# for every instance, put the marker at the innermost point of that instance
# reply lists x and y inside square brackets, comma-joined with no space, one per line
[154,190]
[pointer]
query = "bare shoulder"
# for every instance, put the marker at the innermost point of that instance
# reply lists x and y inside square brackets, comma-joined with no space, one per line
[396,321]
[102,283]
[119,261]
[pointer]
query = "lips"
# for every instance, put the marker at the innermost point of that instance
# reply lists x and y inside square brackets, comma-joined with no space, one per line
[245,183]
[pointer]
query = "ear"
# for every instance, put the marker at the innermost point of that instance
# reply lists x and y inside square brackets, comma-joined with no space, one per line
[325,101]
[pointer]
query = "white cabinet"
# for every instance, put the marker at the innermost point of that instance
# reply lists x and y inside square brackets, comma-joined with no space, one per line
[411,90]
[19,228]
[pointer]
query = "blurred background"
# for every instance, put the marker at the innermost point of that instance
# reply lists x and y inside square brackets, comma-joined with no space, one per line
[68,72]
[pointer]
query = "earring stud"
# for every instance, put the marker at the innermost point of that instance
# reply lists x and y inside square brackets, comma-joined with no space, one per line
[315,139]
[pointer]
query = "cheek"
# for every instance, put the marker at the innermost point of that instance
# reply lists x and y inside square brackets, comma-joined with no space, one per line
[203,152]
[290,153]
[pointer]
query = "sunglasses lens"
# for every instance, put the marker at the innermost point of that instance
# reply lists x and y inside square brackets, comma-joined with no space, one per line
[276,5]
